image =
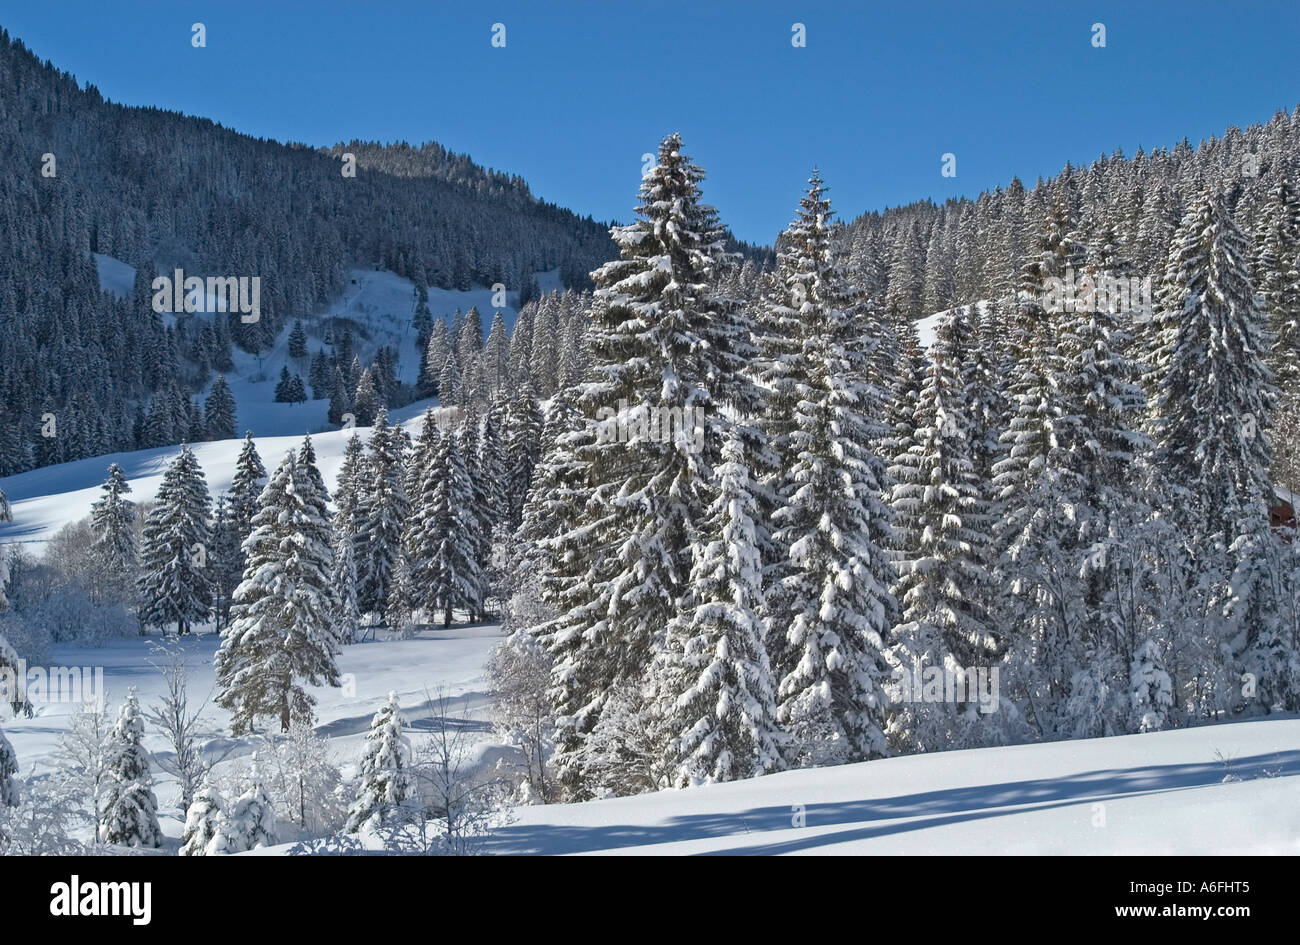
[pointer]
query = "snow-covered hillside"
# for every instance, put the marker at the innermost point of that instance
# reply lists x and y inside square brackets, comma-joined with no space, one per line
[1225,789]
[379,303]
[926,327]
[44,500]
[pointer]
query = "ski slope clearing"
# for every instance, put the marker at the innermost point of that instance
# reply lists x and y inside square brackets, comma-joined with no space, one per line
[1160,793]
[378,307]
[928,326]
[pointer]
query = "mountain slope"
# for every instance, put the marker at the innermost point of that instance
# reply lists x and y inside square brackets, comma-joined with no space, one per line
[156,190]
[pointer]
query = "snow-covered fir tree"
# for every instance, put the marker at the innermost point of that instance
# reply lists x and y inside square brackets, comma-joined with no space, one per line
[366,401]
[1277,278]
[297,340]
[175,585]
[448,556]
[130,811]
[220,411]
[419,532]
[547,546]
[289,389]
[202,820]
[944,583]
[485,501]
[112,517]
[1034,480]
[282,633]
[248,823]
[496,355]
[520,445]
[1110,514]
[435,356]
[490,466]
[385,771]
[1150,689]
[347,502]
[832,519]
[226,559]
[399,613]
[348,612]
[380,512]
[651,362]
[449,380]
[1213,405]
[246,486]
[231,522]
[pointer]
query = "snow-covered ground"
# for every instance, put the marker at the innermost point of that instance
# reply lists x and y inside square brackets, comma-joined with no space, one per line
[1224,789]
[437,663]
[1160,793]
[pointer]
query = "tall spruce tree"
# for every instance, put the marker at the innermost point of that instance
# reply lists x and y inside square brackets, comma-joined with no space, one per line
[449,545]
[1278,282]
[112,518]
[282,633]
[651,362]
[226,559]
[1109,511]
[548,545]
[219,411]
[944,583]
[246,486]
[381,510]
[419,532]
[832,519]
[1035,478]
[175,585]
[520,446]
[477,511]
[1213,408]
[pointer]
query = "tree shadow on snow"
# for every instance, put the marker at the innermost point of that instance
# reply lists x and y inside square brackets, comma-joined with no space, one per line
[934,808]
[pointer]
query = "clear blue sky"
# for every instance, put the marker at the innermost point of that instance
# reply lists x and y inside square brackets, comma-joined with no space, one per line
[582,90]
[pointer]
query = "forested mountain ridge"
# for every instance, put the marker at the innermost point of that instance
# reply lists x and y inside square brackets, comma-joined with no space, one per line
[160,190]
[430,159]
[1123,214]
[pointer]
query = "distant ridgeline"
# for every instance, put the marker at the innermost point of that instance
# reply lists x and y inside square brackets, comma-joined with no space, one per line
[162,191]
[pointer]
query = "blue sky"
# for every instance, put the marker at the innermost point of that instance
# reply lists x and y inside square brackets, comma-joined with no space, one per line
[582,89]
